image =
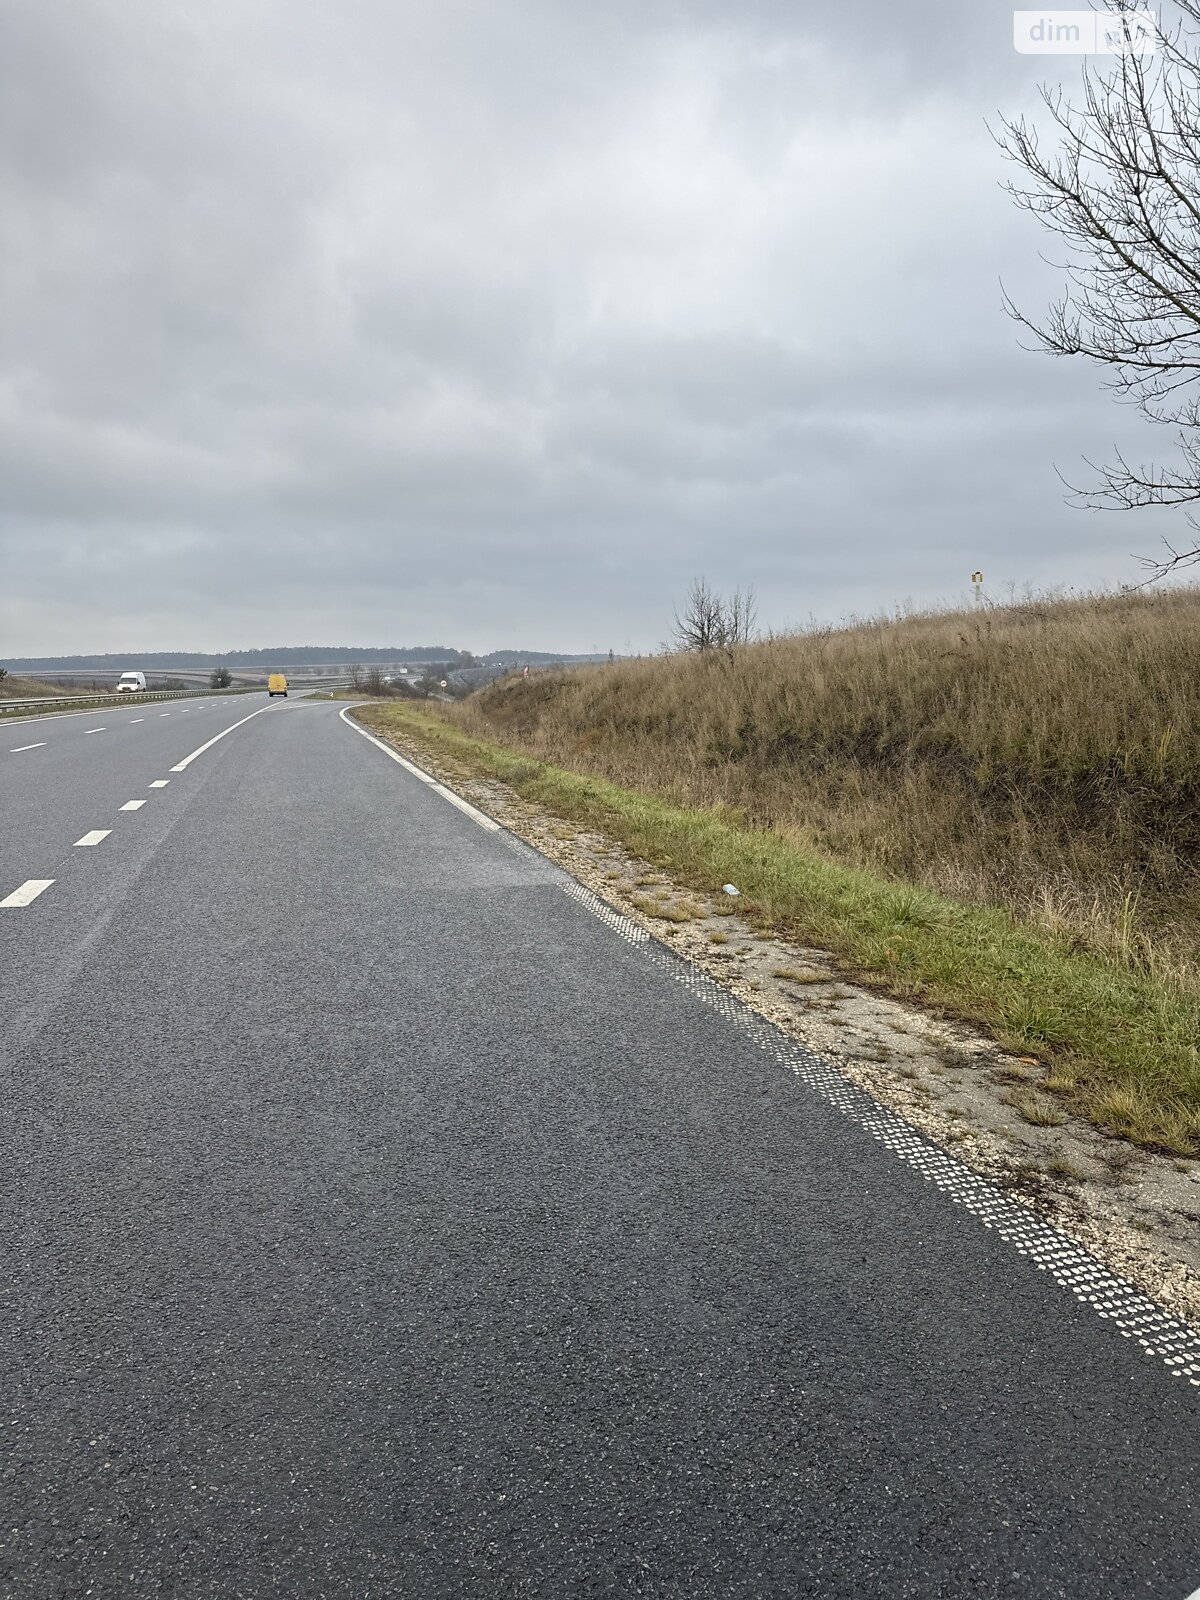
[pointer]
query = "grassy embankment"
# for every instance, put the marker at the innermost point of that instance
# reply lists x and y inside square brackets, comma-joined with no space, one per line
[25,688]
[996,814]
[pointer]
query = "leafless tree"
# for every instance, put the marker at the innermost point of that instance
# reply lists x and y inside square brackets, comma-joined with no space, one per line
[708,621]
[356,677]
[1121,189]
[430,681]
[741,613]
[700,626]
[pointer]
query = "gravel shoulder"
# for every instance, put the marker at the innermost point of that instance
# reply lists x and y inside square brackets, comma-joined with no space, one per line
[1137,1212]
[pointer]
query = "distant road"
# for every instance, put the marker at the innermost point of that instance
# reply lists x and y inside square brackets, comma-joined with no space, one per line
[382,1217]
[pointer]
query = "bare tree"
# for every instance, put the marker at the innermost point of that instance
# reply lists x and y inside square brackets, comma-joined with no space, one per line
[356,676]
[220,678]
[430,681]
[741,613]
[701,625]
[1122,190]
[710,622]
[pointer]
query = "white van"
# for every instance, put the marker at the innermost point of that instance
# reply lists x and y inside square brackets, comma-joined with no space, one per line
[132,683]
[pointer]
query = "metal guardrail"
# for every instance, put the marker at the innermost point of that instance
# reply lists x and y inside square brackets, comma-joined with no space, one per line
[100,700]
[52,702]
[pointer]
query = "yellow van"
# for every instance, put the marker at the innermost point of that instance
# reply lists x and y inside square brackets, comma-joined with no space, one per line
[277,684]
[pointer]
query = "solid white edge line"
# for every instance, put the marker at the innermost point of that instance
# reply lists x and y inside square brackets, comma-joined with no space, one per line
[27,893]
[447,794]
[94,837]
[187,760]
[465,807]
[21,747]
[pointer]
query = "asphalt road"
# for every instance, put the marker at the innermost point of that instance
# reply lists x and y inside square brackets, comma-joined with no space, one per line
[376,1221]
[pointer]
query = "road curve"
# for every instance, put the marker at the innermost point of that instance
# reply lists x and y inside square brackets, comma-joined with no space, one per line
[379,1221]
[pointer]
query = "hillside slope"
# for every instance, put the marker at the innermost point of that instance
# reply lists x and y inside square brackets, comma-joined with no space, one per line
[15,688]
[1044,758]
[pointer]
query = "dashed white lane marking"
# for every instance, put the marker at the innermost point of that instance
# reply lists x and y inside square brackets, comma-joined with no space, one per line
[94,837]
[164,713]
[159,783]
[27,893]
[187,760]
[132,720]
[447,794]
[60,716]
[133,805]
[95,730]
[21,747]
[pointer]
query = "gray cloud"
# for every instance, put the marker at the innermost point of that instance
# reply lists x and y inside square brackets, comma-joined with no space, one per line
[494,324]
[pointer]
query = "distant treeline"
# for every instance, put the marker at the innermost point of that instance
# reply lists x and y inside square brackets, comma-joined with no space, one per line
[285,656]
[289,655]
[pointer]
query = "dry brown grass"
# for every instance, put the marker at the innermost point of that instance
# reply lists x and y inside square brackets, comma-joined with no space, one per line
[27,688]
[1033,1108]
[1113,1019]
[665,910]
[1043,757]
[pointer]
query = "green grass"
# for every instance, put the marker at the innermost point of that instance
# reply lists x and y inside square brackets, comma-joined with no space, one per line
[1126,1041]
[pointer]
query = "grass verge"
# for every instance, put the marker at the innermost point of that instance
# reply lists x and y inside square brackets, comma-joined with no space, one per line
[1042,758]
[1123,1044]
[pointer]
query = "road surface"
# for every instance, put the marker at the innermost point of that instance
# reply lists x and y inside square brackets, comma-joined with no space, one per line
[380,1217]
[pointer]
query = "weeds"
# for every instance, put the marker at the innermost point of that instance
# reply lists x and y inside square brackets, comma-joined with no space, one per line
[1032,1108]
[663,910]
[1064,1170]
[1121,1037]
[1042,758]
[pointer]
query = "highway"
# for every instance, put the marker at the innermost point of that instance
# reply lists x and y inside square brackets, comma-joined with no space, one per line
[383,1217]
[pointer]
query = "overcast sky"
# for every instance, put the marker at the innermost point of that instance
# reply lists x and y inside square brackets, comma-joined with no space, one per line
[492,322]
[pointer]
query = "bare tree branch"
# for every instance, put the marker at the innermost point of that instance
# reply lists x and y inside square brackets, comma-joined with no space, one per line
[710,622]
[1122,190]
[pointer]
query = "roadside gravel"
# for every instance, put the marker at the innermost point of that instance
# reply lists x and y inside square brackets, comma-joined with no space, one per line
[1137,1212]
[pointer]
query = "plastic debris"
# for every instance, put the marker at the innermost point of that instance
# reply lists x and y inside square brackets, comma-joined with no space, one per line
[731,889]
